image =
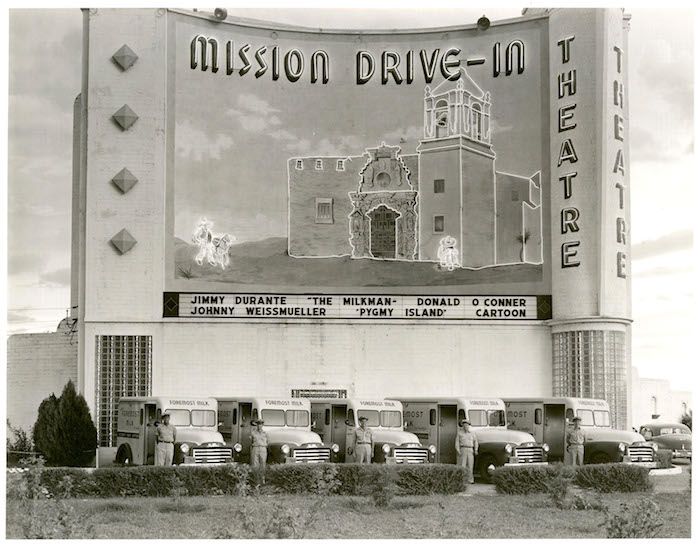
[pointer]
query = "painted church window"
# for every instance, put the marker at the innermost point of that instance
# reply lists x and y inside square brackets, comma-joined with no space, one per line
[340,166]
[300,164]
[384,179]
[477,117]
[439,223]
[324,210]
[439,186]
[319,164]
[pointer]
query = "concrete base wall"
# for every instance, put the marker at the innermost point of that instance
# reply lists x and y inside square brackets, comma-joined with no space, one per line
[38,364]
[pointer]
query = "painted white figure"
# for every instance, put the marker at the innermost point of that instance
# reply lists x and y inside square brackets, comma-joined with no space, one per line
[215,249]
[220,250]
[448,254]
[203,237]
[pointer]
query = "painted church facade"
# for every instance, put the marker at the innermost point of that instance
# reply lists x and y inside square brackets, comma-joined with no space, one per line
[385,205]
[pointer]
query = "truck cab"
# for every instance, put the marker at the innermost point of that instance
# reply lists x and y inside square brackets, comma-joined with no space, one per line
[435,421]
[335,420]
[195,418]
[549,419]
[287,423]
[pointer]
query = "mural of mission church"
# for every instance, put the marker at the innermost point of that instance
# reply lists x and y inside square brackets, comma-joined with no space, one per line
[446,204]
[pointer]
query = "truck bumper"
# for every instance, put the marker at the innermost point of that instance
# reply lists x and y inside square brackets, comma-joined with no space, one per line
[682,454]
[526,464]
[645,464]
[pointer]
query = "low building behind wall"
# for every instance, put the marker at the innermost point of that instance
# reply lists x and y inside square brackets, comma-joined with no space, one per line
[38,365]
[655,400]
[281,299]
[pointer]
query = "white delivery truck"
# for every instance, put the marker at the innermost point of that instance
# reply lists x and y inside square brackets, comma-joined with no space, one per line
[335,420]
[435,421]
[549,418]
[195,418]
[287,423]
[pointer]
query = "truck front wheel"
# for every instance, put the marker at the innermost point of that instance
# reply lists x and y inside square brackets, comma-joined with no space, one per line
[123,455]
[487,466]
[600,458]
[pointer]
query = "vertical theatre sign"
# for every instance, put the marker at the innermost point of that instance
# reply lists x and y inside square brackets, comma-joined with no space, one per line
[619,166]
[566,93]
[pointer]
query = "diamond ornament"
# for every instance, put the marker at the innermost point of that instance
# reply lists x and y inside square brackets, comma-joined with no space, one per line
[125,117]
[124,180]
[125,57]
[123,241]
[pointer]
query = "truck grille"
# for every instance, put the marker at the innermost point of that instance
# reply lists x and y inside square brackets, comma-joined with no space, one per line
[411,455]
[211,455]
[312,454]
[640,453]
[529,454]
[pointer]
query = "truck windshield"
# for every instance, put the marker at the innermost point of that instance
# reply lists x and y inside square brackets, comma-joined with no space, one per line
[391,419]
[178,417]
[372,417]
[602,418]
[203,417]
[482,417]
[586,416]
[297,418]
[273,417]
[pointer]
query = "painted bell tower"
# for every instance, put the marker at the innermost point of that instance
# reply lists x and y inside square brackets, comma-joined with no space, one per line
[457,171]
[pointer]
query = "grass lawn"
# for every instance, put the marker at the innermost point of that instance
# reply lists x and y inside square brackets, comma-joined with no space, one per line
[477,516]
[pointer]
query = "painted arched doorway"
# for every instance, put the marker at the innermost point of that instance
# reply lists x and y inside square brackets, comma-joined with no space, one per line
[383,232]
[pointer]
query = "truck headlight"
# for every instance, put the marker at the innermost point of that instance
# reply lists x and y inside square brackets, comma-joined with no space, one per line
[432,449]
[184,448]
[621,446]
[386,448]
[335,448]
[655,447]
[238,448]
[508,448]
[285,449]
[545,447]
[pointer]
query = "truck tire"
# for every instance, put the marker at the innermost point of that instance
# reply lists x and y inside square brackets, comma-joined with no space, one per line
[600,458]
[123,455]
[487,465]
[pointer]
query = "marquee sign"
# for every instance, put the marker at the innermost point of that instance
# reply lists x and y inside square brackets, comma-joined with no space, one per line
[355,307]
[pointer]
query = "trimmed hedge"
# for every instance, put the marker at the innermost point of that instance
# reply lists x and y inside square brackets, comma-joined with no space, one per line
[150,481]
[611,478]
[526,480]
[665,458]
[605,478]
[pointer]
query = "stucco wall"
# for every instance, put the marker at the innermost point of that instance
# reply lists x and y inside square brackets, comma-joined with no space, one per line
[38,364]
[306,236]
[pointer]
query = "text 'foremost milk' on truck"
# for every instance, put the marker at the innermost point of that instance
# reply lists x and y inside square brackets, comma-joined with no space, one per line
[548,420]
[335,420]
[287,424]
[195,418]
[435,420]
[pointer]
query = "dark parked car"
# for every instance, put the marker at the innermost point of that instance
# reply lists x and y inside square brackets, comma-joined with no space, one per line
[670,435]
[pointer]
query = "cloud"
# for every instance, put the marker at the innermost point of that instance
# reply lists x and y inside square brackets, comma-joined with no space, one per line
[60,277]
[21,262]
[254,114]
[676,241]
[18,317]
[195,144]
[664,271]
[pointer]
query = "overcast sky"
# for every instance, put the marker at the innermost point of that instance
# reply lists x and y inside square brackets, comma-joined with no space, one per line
[44,79]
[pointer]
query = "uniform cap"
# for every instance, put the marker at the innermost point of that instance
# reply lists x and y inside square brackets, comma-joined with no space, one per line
[464,421]
[363,418]
[577,419]
[165,415]
[259,421]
